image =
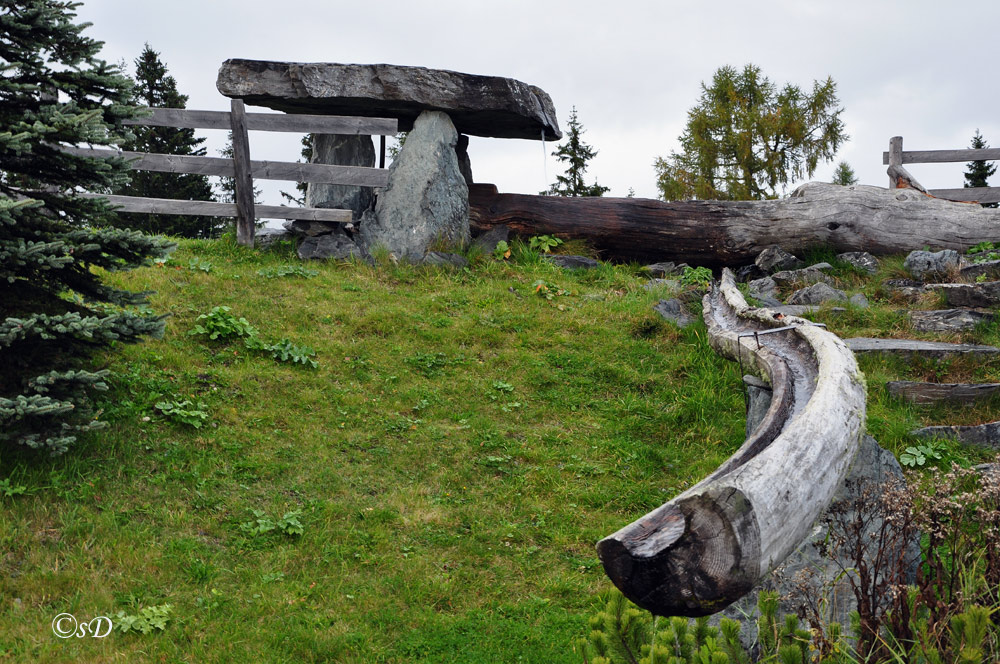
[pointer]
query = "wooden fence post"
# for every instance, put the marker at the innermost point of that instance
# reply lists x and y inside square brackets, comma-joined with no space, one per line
[895,157]
[245,217]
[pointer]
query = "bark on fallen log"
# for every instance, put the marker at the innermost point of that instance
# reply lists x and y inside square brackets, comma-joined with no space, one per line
[716,233]
[706,548]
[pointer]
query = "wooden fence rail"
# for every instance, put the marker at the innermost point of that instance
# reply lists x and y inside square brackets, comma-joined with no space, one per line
[241,168]
[895,156]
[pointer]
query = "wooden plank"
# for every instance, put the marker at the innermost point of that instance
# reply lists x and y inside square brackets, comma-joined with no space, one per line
[243,180]
[183,118]
[970,194]
[927,393]
[213,209]
[360,176]
[894,159]
[945,156]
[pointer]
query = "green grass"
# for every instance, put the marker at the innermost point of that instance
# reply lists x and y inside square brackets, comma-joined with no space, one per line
[460,448]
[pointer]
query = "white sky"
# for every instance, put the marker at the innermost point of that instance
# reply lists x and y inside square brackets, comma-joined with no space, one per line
[921,69]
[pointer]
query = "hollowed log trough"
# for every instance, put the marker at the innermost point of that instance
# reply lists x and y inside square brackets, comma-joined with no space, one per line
[710,545]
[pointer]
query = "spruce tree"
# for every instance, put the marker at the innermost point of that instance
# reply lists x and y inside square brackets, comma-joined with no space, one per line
[156,89]
[576,154]
[979,172]
[55,311]
[844,175]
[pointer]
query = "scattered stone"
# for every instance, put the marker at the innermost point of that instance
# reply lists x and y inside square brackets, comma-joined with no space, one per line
[989,268]
[861,260]
[671,284]
[478,105]
[306,228]
[333,246]
[906,288]
[873,466]
[426,201]
[354,150]
[265,237]
[983,435]
[664,269]
[674,311]
[986,294]
[748,273]
[932,265]
[818,293]
[928,393]
[807,275]
[909,347]
[765,290]
[568,262]
[445,259]
[949,320]
[776,259]
[489,240]
[859,300]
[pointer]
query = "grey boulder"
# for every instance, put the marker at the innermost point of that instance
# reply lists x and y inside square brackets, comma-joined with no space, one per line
[776,259]
[568,262]
[861,260]
[426,201]
[333,246]
[932,265]
[345,151]
[818,293]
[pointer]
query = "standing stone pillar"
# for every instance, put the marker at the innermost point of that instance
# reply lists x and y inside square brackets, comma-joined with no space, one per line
[343,150]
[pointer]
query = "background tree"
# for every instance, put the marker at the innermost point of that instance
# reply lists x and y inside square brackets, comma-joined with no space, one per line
[54,310]
[155,88]
[746,138]
[576,154]
[978,173]
[844,175]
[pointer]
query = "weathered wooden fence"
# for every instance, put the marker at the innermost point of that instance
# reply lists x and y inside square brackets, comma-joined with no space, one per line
[897,157]
[242,169]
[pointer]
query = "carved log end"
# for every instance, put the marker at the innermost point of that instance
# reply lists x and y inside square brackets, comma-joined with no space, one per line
[692,557]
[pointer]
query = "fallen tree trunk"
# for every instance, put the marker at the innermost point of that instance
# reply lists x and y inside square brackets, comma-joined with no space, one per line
[716,233]
[709,546]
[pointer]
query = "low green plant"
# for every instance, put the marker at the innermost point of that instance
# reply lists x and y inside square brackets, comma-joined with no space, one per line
[220,324]
[199,264]
[981,247]
[501,251]
[431,365]
[287,271]
[148,619]
[544,243]
[922,454]
[184,412]
[549,290]
[700,277]
[286,351]
[262,524]
[8,490]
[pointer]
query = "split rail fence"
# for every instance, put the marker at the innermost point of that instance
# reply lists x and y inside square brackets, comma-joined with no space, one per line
[242,169]
[897,157]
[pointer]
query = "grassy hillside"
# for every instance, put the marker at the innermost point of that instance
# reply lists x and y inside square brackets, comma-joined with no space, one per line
[432,491]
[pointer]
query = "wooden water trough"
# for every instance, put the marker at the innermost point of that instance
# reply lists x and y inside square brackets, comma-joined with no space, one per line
[709,546]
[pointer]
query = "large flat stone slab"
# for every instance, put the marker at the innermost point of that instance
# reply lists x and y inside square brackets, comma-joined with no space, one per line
[908,347]
[983,435]
[928,393]
[949,320]
[986,294]
[478,105]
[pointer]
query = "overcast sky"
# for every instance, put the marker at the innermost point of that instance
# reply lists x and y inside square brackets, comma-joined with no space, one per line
[924,70]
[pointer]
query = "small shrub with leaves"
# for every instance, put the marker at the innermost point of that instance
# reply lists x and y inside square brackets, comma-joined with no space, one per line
[930,452]
[501,251]
[184,412]
[262,524]
[198,264]
[148,619]
[700,277]
[286,351]
[544,243]
[220,324]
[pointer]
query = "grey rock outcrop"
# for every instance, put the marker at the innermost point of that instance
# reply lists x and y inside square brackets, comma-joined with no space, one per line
[345,151]
[985,294]
[489,240]
[989,268]
[859,300]
[674,311]
[765,290]
[818,293]
[308,228]
[568,262]
[949,320]
[776,259]
[932,265]
[806,275]
[665,269]
[478,105]
[332,246]
[426,201]
[983,435]
[861,260]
